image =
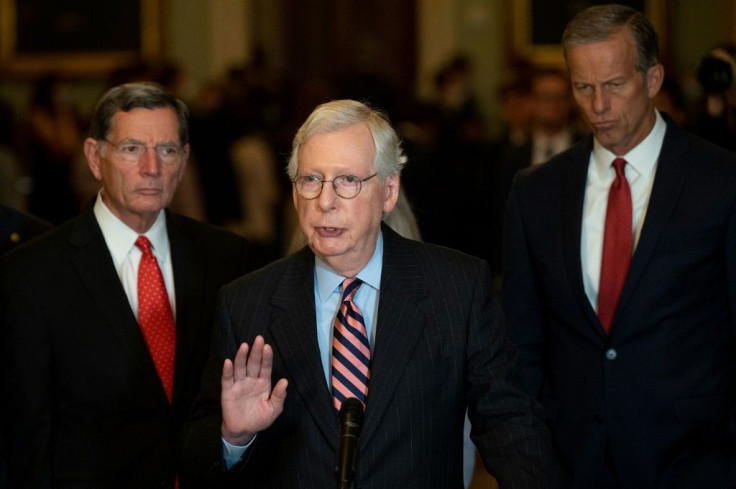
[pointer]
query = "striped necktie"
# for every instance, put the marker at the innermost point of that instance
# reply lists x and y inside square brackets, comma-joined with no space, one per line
[351,353]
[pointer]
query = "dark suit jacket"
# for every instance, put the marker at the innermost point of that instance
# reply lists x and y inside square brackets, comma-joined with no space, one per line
[653,403]
[510,159]
[17,227]
[440,343]
[84,405]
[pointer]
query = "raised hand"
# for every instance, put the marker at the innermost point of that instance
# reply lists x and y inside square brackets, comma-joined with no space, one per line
[249,405]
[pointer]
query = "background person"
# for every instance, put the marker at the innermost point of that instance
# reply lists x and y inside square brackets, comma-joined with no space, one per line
[620,275]
[94,392]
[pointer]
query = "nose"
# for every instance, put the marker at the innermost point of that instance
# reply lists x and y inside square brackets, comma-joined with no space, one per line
[149,163]
[600,101]
[328,197]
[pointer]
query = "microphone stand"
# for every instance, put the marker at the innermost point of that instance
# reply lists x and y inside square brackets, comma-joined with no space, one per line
[351,423]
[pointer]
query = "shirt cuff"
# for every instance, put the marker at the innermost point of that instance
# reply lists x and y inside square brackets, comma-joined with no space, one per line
[234,453]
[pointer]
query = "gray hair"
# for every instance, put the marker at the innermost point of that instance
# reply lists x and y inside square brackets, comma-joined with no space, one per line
[599,23]
[124,98]
[340,114]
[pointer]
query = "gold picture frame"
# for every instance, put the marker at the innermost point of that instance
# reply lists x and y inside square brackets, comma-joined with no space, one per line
[31,43]
[541,45]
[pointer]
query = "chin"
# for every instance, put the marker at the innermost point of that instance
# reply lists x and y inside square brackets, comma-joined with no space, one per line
[326,251]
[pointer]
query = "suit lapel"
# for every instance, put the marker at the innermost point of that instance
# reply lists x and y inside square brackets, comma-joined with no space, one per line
[93,263]
[671,173]
[400,323]
[572,188]
[295,340]
[189,273]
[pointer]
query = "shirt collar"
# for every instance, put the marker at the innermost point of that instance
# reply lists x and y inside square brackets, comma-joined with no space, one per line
[328,280]
[120,239]
[559,139]
[642,158]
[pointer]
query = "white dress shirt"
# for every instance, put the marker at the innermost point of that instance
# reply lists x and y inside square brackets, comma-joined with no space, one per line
[641,166]
[545,147]
[126,256]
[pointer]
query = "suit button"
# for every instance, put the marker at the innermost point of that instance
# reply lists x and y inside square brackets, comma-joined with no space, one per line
[611,354]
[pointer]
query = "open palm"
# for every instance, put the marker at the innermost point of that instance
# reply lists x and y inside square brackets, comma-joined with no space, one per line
[249,404]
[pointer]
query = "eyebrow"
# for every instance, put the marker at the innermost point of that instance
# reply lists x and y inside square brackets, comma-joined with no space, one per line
[138,141]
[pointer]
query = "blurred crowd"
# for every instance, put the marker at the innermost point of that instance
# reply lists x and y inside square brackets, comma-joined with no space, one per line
[242,125]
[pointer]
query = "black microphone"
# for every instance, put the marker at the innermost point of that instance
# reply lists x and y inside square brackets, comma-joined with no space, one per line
[351,422]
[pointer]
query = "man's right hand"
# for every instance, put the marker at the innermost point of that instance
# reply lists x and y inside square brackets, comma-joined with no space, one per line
[249,405]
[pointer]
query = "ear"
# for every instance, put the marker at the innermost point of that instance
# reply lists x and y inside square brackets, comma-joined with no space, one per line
[184,160]
[392,193]
[92,155]
[655,77]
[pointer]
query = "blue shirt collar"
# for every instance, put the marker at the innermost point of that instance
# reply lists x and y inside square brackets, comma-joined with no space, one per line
[328,280]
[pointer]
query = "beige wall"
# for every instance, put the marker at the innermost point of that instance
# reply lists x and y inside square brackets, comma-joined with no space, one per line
[207,36]
[470,27]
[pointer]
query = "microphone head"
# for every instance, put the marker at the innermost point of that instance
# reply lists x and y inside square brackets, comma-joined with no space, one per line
[351,414]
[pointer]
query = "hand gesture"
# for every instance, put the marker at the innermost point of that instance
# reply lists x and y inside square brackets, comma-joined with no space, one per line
[248,403]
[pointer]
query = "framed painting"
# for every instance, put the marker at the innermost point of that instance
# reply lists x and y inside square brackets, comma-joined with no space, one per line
[537,25]
[77,36]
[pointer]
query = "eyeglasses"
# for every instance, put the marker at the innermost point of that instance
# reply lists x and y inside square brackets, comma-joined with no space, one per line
[346,186]
[132,152]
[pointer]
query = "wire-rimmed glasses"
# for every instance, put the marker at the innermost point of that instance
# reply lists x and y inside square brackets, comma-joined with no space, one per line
[132,151]
[346,186]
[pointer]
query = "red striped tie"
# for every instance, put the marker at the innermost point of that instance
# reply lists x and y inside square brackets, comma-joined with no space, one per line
[351,352]
[617,244]
[155,317]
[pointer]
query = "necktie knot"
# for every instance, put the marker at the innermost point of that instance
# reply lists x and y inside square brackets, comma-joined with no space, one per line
[350,287]
[143,244]
[618,165]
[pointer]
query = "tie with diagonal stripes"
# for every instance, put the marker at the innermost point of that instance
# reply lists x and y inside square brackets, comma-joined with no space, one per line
[351,352]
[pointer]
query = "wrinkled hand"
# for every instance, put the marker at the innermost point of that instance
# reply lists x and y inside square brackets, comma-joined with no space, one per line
[248,403]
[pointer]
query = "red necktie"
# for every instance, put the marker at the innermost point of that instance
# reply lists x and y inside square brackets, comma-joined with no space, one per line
[154,316]
[617,246]
[351,352]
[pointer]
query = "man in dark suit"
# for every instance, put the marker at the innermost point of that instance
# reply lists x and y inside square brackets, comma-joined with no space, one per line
[620,277]
[553,130]
[434,340]
[87,401]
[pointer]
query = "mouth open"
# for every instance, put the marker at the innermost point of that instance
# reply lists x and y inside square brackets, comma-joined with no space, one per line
[329,231]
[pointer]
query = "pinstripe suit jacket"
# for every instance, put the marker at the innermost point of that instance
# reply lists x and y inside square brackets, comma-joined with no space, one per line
[440,344]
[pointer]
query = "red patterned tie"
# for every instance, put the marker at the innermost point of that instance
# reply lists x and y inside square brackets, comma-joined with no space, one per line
[617,246]
[351,352]
[154,316]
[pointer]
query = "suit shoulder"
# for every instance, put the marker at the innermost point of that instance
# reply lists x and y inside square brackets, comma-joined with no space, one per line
[569,160]
[43,243]
[204,231]
[275,271]
[39,256]
[706,149]
[442,259]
